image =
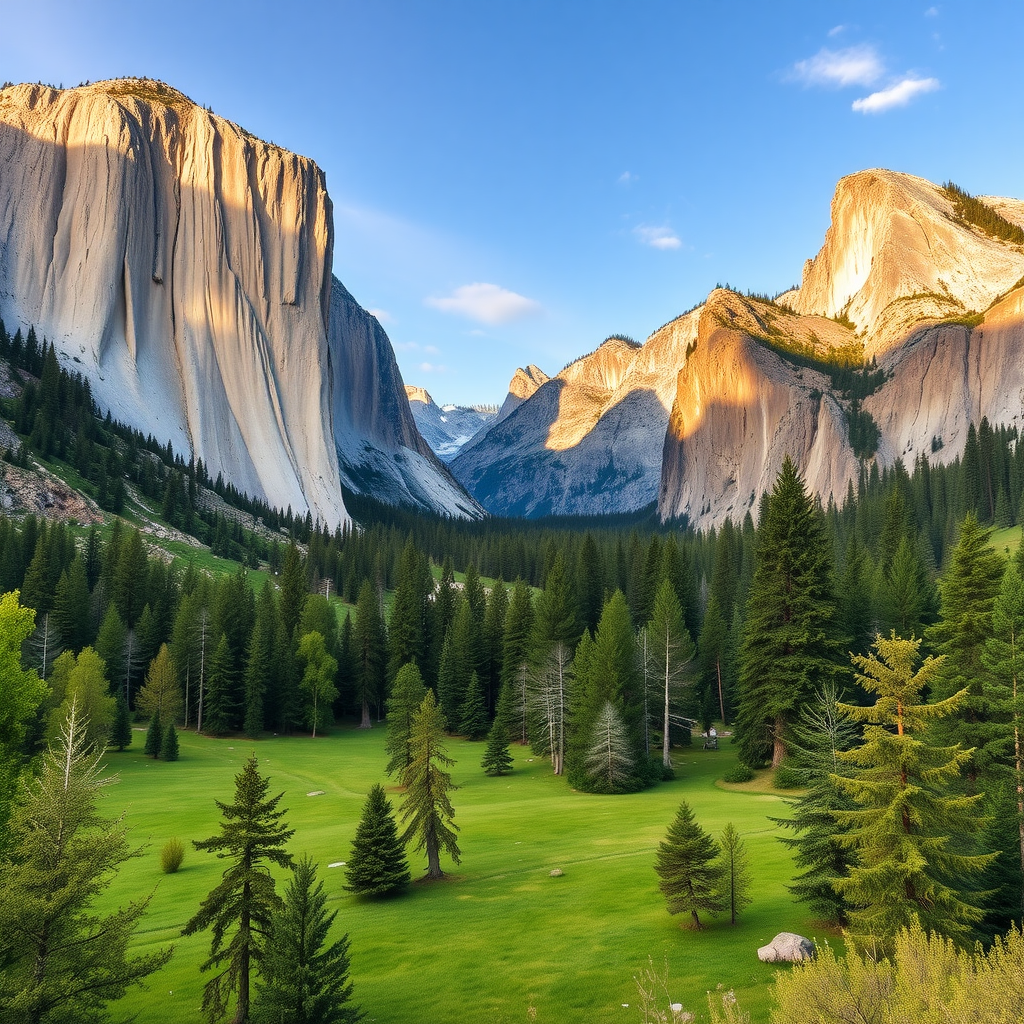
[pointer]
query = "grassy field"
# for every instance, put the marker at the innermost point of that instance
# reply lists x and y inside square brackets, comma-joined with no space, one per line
[499,940]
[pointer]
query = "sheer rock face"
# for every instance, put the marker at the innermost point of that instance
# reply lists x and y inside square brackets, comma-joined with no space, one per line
[380,451]
[589,440]
[703,414]
[184,267]
[739,409]
[524,384]
[914,282]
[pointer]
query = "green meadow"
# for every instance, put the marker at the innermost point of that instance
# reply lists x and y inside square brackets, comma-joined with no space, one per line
[500,940]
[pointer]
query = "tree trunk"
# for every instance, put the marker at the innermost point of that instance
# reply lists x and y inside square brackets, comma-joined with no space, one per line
[666,757]
[433,854]
[779,749]
[242,1010]
[365,722]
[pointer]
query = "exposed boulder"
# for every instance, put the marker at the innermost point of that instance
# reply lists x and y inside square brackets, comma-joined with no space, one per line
[787,947]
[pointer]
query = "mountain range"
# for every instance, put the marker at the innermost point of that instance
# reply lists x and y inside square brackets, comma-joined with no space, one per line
[184,267]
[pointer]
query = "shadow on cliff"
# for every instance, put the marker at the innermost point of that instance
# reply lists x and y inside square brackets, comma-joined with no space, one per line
[513,471]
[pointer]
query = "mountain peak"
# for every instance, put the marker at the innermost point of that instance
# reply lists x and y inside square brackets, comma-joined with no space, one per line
[418,394]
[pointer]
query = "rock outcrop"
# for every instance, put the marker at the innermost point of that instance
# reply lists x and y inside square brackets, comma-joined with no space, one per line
[184,267]
[446,428]
[380,450]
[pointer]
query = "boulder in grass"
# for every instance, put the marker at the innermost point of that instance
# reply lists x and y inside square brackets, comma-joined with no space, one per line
[556,873]
[786,947]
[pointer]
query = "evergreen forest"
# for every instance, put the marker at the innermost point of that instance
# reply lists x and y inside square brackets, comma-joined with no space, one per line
[862,657]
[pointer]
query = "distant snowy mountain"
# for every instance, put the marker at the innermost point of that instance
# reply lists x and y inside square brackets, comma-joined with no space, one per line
[447,428]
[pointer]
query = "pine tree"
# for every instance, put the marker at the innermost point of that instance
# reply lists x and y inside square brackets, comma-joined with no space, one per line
[370,644]
[789,638]
[406,697]
[497,759]
[121,733]
[671,650]
[968,590]
[608,675]
[293,589]
[908,831]
[304,980]
[160,695]
[377,865]
[687,864]
[473,713]
[610,761]
[169,744]
[110,646]
[821,733]
[427,809]
[71,606]
[218,709]
[407,630]
[1004,657]
[245,902]
[456,668]
[59,958]
[154,736]
[735,872]
[259,665]
[516,645]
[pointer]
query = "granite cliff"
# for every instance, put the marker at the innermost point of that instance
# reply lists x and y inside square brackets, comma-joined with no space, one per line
[184,267]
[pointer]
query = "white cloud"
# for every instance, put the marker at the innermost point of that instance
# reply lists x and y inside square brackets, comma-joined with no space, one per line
[856,65]
[898,95]
[486,303]
[657,237]
[627,178]
[382,315]
[932,12]
[432,368]
[837,30]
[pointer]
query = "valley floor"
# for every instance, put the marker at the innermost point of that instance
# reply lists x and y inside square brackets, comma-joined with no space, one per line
[500,940]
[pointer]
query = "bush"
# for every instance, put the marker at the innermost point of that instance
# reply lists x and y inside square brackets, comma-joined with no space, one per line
[741,773]
[171,856]
[787,778]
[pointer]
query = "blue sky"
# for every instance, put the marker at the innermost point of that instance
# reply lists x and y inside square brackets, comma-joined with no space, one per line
[513,181]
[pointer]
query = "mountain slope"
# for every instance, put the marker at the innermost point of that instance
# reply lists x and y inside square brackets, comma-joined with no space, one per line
[586,442]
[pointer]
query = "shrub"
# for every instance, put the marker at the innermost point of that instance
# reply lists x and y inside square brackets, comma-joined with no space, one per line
[741,773]
[171,856]
[787,778]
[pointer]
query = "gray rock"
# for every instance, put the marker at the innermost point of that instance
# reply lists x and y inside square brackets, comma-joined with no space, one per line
[786,947]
